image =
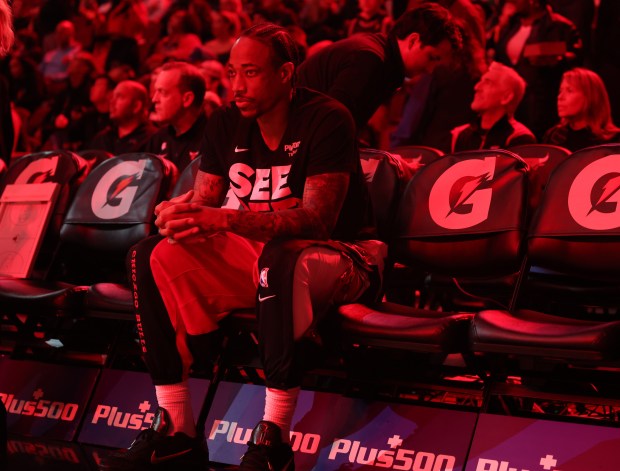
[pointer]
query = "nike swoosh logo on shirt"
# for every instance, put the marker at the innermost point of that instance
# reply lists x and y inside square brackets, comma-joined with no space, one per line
[261,299]
[161,459]
[241,149]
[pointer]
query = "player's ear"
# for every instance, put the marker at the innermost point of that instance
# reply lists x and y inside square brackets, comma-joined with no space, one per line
[412,39]
[287,70]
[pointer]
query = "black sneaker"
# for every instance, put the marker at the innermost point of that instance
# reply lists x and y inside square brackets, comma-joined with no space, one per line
[153,449]
[266,452]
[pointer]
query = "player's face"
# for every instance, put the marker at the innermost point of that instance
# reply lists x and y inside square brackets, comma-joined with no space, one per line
[257,84]
[167,97]
[571,101]
[420,58]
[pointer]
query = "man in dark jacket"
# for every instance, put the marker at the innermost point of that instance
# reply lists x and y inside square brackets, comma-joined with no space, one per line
[364,70]
[497,96]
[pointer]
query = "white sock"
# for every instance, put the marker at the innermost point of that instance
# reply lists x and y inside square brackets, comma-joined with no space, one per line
[176,400]
[279,409]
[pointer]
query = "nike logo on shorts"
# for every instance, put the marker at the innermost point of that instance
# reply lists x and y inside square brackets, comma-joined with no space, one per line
[261,298]
[241,149]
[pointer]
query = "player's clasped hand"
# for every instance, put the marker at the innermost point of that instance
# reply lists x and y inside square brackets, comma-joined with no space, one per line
[177,218]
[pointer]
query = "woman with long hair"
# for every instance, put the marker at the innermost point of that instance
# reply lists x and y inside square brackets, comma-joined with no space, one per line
[584,111]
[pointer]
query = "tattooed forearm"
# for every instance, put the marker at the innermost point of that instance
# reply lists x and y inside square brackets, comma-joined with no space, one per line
[322,201]
[209,189]
[264,226]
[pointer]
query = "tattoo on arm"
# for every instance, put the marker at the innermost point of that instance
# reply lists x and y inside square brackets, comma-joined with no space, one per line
[209,189]
[315,219]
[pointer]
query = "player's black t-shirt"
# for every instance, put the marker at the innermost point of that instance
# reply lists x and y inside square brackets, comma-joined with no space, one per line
[320,138]
[179,149]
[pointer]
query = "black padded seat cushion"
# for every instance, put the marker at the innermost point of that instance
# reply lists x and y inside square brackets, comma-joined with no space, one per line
[411,328]
[533,333]
[14,291]
[109,297]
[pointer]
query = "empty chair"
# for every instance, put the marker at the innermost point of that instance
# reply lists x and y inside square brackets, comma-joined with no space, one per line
[112,210]
[565,313]
[66,169]
[460,216]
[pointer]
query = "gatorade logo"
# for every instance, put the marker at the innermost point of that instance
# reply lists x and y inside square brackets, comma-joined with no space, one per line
[117,189]
[593,196]
[461,197]
[38,171]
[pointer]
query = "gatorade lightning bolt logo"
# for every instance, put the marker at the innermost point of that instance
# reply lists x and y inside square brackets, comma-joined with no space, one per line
[593,197]
[117,189]
[460,198]
[38,171]
[118,186]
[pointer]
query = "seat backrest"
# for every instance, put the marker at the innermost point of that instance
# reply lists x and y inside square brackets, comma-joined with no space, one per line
[419,155]
[113,208]
[94,156]
[541,159]
[62,167]
[381,176]
[187,177]
[57,166]
[413,158]
[577,227]
[464,215]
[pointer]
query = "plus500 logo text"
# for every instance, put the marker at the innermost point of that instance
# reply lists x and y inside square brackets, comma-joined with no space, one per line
[352,450]
[113,417]
[39,407]
[400,458]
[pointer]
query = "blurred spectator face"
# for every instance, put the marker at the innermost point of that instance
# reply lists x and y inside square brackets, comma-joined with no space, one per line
[123,104]
[64,33]
[212,102]
[167,97]
[100,94]
[79,70]
[420,58]
[175,23]
[218,25]
[15,68]
[121,72]
[521,6]
[256,83]
[490,93]
[370,7]
[213,72]
[571,101]
[231,5]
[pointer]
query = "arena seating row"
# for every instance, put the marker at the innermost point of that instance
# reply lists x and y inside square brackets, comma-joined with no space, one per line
[508,265]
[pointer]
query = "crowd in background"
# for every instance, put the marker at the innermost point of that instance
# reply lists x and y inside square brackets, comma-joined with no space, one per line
[82,68]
